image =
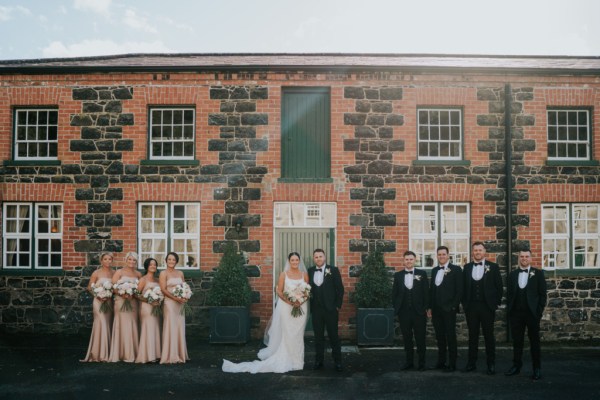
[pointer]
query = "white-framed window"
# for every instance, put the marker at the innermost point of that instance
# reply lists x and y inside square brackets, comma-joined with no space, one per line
[570,235]
[300,215]
[169,226]
[172,133]
[569,134]
[432,225]
[32,236]
[36,134]
[439,133]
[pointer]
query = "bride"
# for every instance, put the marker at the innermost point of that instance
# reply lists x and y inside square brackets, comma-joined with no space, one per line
[285,335]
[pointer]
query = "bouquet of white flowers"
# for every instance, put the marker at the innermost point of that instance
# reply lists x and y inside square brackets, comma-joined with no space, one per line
[127,289]
[183,291]
[103,291]
[154,296]
[299,293]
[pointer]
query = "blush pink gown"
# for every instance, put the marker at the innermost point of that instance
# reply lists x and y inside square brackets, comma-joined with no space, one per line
[99,347]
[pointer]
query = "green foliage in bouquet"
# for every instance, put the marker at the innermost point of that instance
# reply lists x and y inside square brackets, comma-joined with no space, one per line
[374,288]
[230,285]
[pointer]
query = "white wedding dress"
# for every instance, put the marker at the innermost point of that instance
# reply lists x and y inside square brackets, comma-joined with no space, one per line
[285,349]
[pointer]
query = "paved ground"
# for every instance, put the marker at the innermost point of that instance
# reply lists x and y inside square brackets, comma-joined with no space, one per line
[49,368]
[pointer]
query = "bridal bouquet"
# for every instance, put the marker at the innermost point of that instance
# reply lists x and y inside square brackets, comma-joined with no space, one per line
[154,296]
[126,288]
[300,294]
[183,291]
[102,292]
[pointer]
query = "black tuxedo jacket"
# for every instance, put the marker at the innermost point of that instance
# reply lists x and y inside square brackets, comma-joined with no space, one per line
[492,285]
[420,291]
[535,291]
[450,292]
[332,289]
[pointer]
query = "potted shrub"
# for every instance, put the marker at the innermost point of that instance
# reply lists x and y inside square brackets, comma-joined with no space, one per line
[373,299]
[230,297]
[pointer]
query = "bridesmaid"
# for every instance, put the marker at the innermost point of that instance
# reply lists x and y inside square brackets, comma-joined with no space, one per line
[174,349]
[149,347]
[99,347]
[125,338]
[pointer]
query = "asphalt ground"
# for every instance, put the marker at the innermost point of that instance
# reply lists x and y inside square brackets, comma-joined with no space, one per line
[48,367]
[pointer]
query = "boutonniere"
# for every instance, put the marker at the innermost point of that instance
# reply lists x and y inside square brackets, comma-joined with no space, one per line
[446,271]
[531,274]
[417,277]
[486,269]
[327,271]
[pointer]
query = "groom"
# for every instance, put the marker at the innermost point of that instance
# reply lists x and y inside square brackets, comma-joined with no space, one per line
[327,296]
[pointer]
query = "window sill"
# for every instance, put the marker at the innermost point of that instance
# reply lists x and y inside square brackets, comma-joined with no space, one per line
[28,163]
[550,273]
[442,162]
[305,180]
[31,272]
[572,163]
[170,162]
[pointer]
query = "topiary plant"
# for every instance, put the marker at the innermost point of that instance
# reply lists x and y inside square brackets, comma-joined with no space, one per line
[374,288]
[230,285]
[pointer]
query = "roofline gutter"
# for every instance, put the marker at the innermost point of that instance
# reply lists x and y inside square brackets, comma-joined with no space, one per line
[61,70]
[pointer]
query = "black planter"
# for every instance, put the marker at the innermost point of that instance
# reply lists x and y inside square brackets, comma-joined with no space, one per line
[229,325]
[375,326]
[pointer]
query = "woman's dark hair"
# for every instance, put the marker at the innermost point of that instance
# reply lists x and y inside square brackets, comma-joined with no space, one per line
[172,253]
[148,261]
[293,253]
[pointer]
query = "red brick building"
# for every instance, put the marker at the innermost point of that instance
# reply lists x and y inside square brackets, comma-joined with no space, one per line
[157,153]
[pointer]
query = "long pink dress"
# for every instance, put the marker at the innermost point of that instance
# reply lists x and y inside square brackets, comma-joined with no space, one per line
[174,349]
[99,347]
[149,347]
[125,336]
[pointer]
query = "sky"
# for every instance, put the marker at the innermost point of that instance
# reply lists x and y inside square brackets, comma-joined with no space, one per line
[32,29]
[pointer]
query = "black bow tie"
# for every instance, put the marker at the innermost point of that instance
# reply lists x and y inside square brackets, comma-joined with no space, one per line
[318,270]
[523,270]
[479,263]
[410,272]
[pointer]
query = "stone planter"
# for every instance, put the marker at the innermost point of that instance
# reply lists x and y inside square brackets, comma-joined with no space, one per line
[229,325]
[375,326]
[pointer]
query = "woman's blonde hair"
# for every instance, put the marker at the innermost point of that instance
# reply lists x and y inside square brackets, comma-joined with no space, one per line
[106,253]
[132,254]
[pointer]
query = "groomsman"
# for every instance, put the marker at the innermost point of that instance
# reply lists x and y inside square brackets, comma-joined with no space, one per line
[410,298]
[526,301]
[482,295]
[327,296]
[446,292]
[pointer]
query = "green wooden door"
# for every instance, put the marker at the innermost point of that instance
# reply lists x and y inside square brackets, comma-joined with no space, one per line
[304,242]
[305,134]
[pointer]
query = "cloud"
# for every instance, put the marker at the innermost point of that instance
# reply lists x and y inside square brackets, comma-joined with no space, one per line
[95,6]
[307,27]
[6,13]
[89,48]
[178,25]
[132,20]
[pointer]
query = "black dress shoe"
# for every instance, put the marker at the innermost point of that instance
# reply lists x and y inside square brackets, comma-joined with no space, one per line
[470,368]
[537,374]
[407,367]
[491,370]
[514,370]
[450,368]
[338,367]
[318,365]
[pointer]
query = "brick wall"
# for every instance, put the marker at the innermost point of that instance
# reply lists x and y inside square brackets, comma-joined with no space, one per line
[103,132]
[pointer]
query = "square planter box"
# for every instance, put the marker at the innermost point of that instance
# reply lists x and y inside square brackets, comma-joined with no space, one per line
[229,325]
[375,326]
